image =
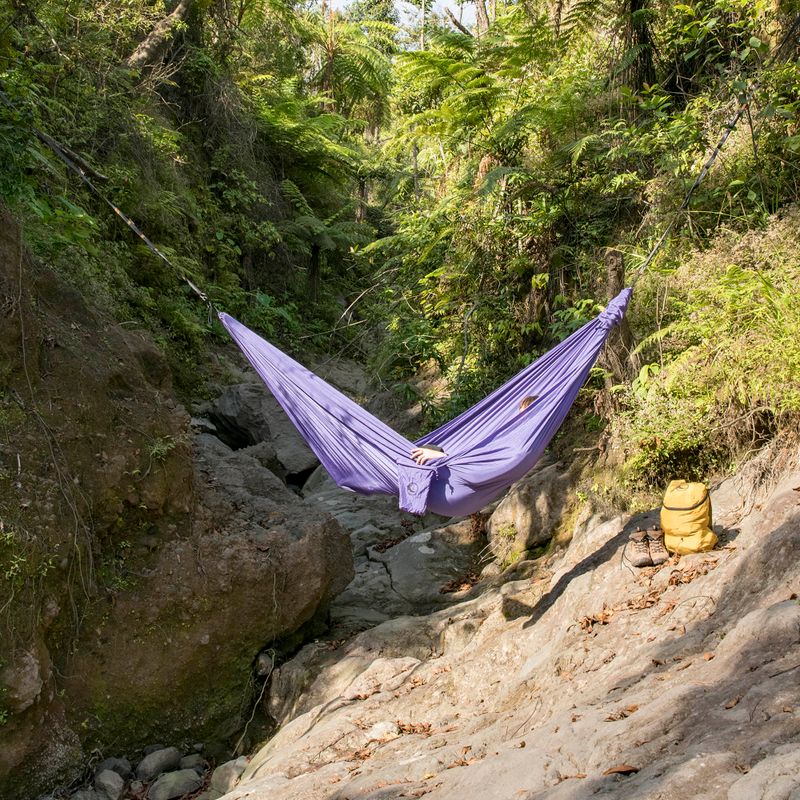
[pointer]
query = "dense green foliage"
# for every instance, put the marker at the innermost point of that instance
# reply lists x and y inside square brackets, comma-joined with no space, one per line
[469,194]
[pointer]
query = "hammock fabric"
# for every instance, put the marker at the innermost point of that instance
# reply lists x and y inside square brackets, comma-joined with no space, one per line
[488,447]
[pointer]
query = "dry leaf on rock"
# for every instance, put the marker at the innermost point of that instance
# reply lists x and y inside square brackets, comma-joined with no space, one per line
[622,713]
[600,618]
[621,769]
[419,728]
[644,601]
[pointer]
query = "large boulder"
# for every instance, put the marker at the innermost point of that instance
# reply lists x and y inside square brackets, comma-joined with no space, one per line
[176,650]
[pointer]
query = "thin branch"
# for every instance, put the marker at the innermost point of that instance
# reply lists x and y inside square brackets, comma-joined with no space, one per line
[455,22]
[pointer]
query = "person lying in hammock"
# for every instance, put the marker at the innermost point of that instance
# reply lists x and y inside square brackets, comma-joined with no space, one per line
[430,451]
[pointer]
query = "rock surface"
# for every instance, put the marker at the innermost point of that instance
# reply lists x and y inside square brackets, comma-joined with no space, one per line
[119,765]
[588,678]
[227,775]
[255,565]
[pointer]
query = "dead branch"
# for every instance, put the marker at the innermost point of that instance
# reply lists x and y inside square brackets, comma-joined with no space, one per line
[455,22]
[155,44]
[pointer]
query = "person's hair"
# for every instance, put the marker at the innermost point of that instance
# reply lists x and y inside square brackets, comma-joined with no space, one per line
[434,447]
[527,401]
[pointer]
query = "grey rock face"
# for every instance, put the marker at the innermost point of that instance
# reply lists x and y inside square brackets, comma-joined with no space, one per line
[256,564]
[86,794]
[152,765]
[247,414]
[109,784]
[174,784]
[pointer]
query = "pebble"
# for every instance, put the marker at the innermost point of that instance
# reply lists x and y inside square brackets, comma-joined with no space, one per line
[119,765]
[109,784]
[194,761]
[158,761]
[175,784]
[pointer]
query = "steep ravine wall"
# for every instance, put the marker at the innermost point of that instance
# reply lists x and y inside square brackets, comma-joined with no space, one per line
[143,565]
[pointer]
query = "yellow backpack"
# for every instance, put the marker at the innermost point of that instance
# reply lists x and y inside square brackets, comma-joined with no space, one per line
[686,518]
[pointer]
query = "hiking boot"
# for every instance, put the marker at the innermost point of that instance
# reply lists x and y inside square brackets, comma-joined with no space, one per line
[639,550]
[655,543]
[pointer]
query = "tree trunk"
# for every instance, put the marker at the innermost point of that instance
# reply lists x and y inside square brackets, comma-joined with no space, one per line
[415,153]
[482,18]
[157,41]
[637,34]
[314,272]
[617,355]
[363,193]
[455,22]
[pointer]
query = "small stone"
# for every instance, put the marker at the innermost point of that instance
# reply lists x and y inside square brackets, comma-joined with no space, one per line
[109,784]
[136,788]
[151,748]
[227,775]
[158,761]
[194,761]
[119,765]
[198,747]
[175,784]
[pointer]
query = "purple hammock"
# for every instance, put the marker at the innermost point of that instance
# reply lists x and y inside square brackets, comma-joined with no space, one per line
[488,446]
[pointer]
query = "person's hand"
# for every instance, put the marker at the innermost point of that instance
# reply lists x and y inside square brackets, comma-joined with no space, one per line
[424,454]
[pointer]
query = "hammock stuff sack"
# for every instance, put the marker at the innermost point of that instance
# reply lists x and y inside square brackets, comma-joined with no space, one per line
[488,446]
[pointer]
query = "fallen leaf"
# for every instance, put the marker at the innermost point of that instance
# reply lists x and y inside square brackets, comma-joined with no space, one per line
[600,618]
[420,728]
[734,701]
[644,601]
[576,775]
[621,769]
[787,709]
[708,656]
[460,584]
[622,713]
